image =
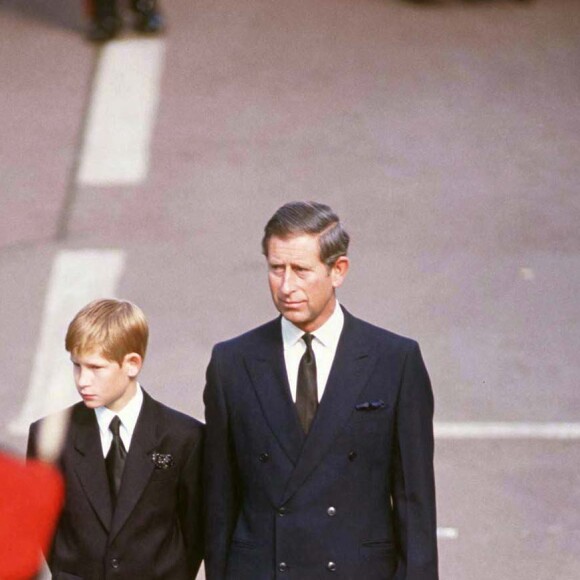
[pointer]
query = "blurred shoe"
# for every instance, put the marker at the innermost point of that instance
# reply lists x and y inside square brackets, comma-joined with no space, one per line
[103,29]
[148,19]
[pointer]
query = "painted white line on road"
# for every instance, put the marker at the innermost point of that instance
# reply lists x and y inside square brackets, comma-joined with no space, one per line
[476,430]
[447,533]
[122,113]
[77,277]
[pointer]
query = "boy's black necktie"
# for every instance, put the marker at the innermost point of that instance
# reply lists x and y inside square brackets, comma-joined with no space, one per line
[115,460]
[306,387]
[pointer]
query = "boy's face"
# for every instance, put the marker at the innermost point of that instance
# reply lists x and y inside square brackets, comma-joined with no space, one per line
[102,382]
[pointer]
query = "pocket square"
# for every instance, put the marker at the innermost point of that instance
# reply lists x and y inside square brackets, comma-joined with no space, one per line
[370,405]
[162,460]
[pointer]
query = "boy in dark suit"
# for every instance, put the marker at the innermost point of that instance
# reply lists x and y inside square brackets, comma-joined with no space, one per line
[132,466]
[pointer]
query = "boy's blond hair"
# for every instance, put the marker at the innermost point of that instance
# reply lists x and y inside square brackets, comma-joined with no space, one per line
[114,328]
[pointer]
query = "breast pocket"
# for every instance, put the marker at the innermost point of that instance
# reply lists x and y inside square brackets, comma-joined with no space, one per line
[163,478]
[373,428]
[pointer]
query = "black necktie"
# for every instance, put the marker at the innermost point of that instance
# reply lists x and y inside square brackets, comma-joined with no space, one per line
[306,389]
[115,460]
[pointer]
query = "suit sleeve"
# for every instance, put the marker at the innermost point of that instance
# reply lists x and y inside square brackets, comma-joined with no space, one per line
[413,477]
[220,472]
[190,501]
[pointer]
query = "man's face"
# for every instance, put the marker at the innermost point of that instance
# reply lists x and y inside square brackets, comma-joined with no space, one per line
[102,382]
[302,286]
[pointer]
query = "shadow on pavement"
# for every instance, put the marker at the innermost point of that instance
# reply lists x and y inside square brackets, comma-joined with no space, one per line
[67,14]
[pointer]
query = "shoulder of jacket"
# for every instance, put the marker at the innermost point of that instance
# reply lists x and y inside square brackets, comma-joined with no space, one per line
[72,411]
[384,337]
[178,420]
[249,338]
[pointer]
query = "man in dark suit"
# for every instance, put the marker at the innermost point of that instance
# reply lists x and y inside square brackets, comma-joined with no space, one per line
[319,437]
[132,466]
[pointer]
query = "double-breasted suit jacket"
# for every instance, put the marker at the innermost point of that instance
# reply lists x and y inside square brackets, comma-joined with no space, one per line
[355,497]
[155,532]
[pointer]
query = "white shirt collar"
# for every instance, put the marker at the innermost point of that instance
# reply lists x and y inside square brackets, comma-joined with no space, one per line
[128,414]
[328,334]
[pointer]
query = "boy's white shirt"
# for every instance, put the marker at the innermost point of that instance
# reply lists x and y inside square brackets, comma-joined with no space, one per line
[128,415]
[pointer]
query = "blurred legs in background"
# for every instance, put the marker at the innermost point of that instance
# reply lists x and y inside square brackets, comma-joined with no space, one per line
[106,21]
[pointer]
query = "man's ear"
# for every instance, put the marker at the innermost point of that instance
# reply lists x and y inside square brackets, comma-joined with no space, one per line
[132,364]
[339,270]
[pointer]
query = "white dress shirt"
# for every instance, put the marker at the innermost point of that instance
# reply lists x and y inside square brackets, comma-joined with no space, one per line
[324,347]
[128,416]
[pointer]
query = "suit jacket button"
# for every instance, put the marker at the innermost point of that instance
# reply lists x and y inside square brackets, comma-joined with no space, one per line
[282,511]
[115,563]
[282,566]
[352,456]
[331,511]
[331,566]
[264,457]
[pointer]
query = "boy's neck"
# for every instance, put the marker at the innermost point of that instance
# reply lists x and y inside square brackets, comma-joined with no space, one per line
[129,395]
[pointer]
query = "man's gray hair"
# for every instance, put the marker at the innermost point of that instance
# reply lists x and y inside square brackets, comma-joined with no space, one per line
[309,217]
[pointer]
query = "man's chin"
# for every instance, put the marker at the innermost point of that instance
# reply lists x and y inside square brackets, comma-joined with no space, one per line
[293,316]
[92,403]
[298,319]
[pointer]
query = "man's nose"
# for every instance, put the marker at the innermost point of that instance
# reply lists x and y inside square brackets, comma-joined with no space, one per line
[288,282]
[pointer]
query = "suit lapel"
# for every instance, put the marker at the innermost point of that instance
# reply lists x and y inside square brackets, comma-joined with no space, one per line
[268,374]
[352,366]
[139,467]
[89,463]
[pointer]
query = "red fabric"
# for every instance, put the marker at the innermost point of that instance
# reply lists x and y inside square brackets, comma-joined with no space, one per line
[31,497]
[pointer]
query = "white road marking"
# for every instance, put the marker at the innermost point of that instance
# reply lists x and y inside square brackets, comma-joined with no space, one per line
[447,533]
[122,113]
[77,277]
[476,430]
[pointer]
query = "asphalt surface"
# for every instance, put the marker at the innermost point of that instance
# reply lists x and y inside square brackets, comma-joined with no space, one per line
[446,135]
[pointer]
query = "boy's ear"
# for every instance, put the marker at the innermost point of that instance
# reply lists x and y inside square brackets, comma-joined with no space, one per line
[132,364]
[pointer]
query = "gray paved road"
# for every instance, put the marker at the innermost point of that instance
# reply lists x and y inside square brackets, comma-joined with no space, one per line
[447,137]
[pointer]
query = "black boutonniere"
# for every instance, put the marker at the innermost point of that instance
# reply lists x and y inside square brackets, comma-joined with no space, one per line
[162,460]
